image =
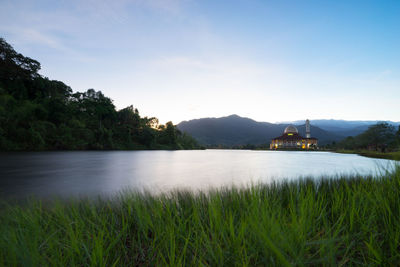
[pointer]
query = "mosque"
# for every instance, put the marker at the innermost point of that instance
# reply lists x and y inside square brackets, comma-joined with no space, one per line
[291,139]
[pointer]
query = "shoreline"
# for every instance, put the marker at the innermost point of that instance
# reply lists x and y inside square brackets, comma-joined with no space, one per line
[365,153]
[371,154]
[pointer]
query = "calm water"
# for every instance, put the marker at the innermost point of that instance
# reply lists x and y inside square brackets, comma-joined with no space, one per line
[64,174]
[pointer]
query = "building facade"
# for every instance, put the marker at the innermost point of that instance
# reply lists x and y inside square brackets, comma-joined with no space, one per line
[291,139]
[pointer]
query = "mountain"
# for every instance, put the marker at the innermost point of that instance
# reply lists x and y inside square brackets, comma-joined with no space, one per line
[236,130]
[343,127]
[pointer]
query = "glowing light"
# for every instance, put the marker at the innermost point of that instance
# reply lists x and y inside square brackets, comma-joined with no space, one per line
[290,134]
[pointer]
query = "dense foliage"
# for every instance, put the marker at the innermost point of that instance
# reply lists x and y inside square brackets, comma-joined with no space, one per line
[380,137]
[37,114]
[332,222]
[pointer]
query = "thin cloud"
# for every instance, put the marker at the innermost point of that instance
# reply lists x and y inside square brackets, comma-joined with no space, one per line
[30,35]
[169,6]
[27,36]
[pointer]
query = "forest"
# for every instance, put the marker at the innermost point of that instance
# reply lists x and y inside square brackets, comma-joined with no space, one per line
[37,113]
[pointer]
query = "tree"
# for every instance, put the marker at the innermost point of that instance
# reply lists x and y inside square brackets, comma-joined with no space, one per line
[398,137]
[16,71]
[380,136]
[38,113]
[14,66]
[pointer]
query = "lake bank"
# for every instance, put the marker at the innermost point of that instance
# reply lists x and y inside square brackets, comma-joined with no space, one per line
[348,220]
[372,154]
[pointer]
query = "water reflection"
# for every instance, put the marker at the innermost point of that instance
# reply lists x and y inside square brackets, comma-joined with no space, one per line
[64,174]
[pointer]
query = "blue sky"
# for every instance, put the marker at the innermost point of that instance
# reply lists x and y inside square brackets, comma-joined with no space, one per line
[184,59]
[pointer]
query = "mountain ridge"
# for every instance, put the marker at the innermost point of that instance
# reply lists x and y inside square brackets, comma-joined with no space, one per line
[235,130]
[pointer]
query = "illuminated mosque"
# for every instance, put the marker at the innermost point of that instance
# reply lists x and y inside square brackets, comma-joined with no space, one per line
[291,139]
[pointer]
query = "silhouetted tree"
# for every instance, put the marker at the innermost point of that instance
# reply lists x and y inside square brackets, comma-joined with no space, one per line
[379,136]
[38,113]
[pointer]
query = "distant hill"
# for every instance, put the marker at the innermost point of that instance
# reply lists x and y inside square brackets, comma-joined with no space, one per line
[343,127]
[236,130]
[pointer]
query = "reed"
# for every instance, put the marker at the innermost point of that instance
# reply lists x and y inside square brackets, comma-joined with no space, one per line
[335,221]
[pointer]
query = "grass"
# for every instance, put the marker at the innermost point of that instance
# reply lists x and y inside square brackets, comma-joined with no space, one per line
[372,154]
[333,222]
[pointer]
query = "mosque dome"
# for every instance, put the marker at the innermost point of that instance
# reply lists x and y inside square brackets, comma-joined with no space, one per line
[291,129]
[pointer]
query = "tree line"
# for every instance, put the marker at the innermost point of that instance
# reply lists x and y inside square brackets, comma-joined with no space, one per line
[37,113]
[381,137]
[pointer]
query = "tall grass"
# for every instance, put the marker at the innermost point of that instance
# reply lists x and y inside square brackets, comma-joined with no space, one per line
[342,221]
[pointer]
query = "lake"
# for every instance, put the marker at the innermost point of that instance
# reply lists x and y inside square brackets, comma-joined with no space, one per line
[91,173]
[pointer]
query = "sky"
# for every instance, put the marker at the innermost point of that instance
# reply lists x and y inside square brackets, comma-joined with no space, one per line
[184,59]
